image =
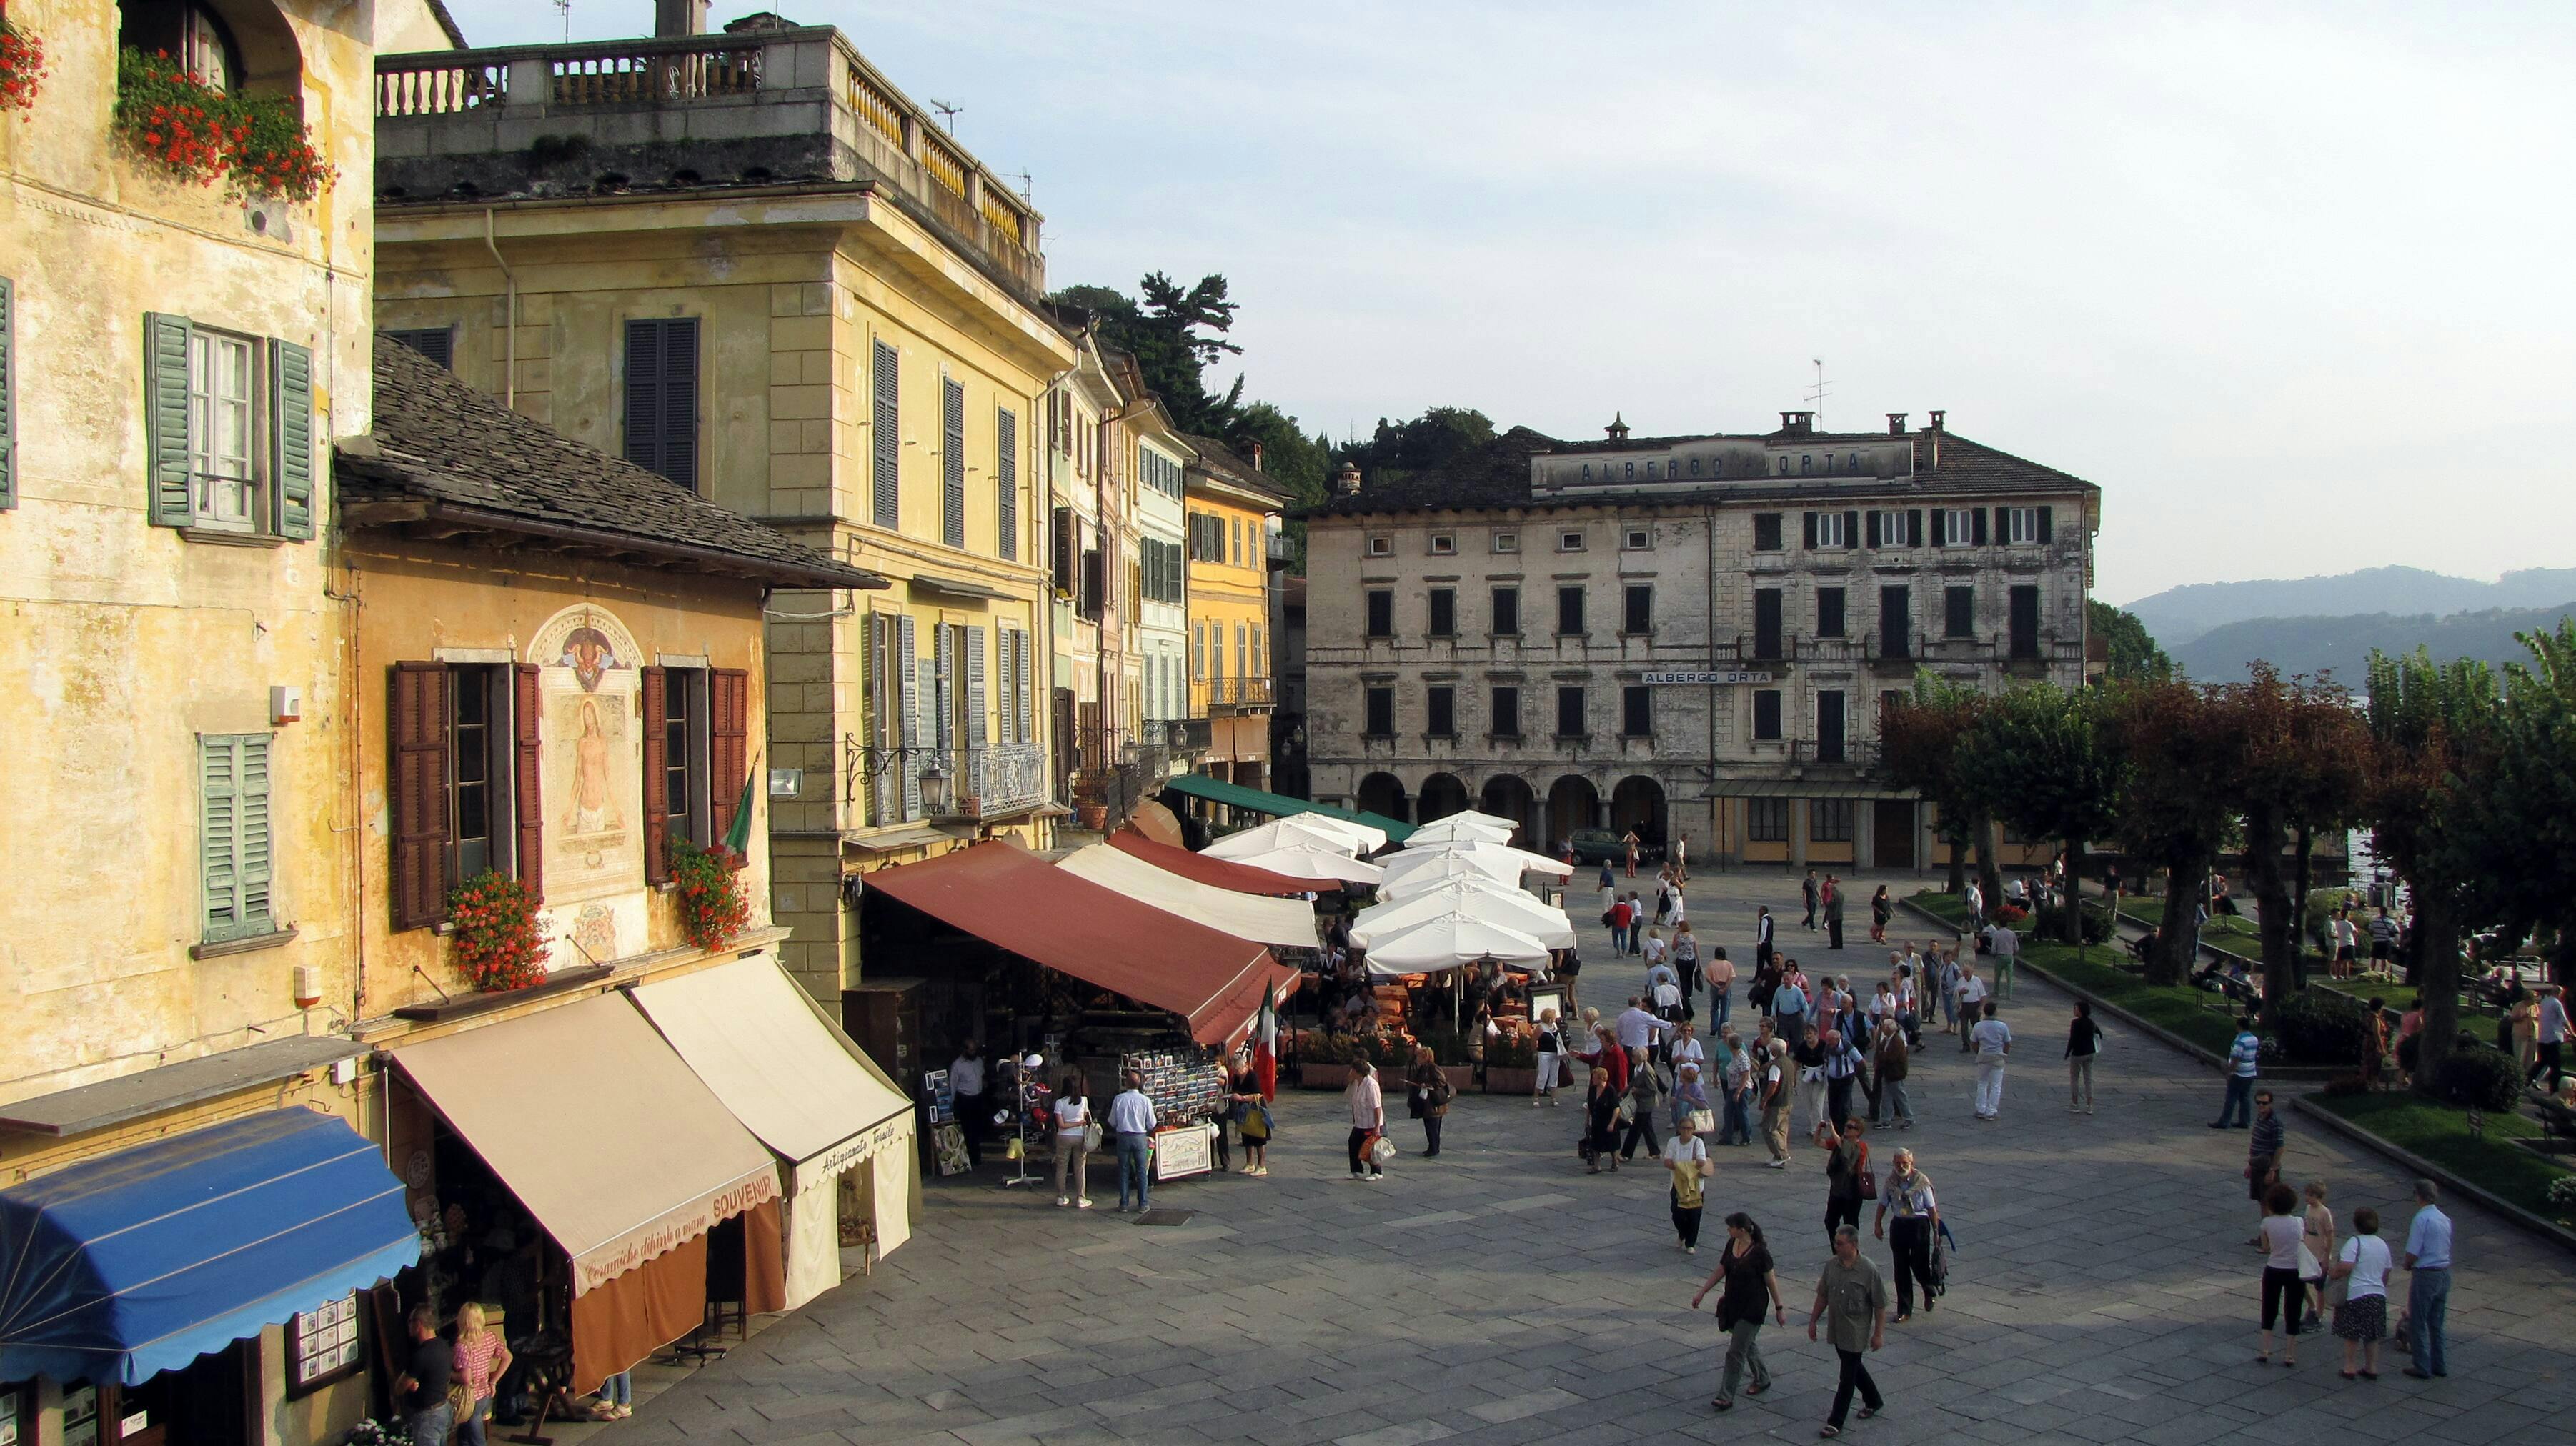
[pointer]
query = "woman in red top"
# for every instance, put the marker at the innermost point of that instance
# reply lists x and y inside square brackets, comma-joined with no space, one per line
[482,1359]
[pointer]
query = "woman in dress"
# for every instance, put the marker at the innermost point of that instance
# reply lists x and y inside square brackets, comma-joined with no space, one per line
[1252,1117]
[1745,1268]
[1880,910]
[1601,1118]
[2362,1265]
[482,1358]
[2283,1291]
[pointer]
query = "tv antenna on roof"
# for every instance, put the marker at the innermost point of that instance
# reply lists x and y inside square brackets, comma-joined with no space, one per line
[564,8]
[1026,185]
[1816,394]
[947,114]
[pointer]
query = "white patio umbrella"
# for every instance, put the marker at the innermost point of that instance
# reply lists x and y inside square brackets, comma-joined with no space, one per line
[1313,863]
[1450,940]
[1463,828]
[1501,860]
[1306,830]
[1506,907]
[1458,863]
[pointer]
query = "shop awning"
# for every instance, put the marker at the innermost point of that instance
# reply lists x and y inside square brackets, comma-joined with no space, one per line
[1015,901]
[1279,805]
[597,1126]
[1276,922]
[1222,873]
[769,1054]
[121,1267]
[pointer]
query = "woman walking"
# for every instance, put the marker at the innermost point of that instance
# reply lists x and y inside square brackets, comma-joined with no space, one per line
[2316,1247]
[1690,1166]
[1257,1126]
[483,1358]
[1072,1141]
[1552,1068]
[2283,1291]
[1431,1094]
[1880,910]
[1846,1165]
[1745,1268]
[2083,1041]
[1737,1084]
[1368,1120]
[2362,1319]
[1601,1121]
[1645,1099]
[1690,1102]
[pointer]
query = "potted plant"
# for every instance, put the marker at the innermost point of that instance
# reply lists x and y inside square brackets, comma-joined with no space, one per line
[199,133]
[496,938]
[708,887]
[1511,1064]
[22,66]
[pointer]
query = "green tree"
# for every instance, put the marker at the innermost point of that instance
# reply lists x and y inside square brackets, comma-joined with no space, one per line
[2179,746]
[1399,449]
[2523,825]
[2304,767]
[2037,760]
[1294,462]
[1919,746]
[2135,658]
[1175,334]
[2436,725]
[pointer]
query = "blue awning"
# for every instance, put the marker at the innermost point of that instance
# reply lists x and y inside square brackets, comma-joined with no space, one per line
[122,1267]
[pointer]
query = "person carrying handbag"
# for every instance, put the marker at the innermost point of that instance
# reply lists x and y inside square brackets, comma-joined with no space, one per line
[1431,1096]
[1368,1121]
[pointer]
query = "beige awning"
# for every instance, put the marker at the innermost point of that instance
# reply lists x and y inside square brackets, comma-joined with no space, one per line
[769,1054]
[1277,922]
[598,1128]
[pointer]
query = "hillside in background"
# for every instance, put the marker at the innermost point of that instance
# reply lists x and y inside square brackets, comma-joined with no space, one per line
[2316,644]
[2179,615]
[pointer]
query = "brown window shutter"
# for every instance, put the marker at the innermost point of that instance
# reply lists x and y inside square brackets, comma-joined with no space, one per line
[657,764]
[417,794]
[728,740]
[526,788]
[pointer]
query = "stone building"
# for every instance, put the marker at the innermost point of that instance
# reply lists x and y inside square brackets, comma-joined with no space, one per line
[1691,634]
[747,261]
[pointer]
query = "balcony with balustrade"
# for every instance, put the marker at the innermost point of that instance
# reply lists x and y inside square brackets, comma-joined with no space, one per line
[755,109]
[1216,697]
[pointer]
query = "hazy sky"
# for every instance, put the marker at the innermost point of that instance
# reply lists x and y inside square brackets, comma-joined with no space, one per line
[2290,282]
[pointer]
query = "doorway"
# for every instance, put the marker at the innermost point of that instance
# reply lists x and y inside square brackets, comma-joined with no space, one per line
[1892,833]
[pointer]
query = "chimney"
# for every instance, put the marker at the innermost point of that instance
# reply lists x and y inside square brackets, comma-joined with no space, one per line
[1346,482]
[1932,435]
[1797,424]
[1896,424]
[1256,456]
[679,17]
[1937,415]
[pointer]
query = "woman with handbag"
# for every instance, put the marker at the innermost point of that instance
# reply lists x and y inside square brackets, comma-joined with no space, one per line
[482,1358]
[1687,1159]
[1076,1136]
[1368,1121]
[1745,1267]
[1601,1120]
[1690,1102]
[1431,1095]
[1253,1124]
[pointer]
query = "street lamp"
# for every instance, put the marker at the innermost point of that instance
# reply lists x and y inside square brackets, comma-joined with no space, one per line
[934,789]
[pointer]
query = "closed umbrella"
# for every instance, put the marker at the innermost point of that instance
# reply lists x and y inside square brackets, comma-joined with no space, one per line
[1314,863]
[1449,941]
[1509,908]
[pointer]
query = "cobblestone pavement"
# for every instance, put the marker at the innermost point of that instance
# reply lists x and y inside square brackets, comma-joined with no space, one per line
[2101,1292]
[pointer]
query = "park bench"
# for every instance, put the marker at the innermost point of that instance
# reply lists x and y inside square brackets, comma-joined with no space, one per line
[2557,1122]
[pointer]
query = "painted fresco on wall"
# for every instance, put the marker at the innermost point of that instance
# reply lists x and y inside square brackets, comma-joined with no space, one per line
[592,761]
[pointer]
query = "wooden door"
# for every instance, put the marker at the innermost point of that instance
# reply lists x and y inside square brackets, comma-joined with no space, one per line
[1892,834]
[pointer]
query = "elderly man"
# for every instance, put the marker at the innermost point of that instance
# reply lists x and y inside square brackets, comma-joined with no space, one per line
[1852,1300]
[1639,1030]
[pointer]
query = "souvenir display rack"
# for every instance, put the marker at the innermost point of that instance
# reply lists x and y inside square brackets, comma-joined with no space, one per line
[1183,1084]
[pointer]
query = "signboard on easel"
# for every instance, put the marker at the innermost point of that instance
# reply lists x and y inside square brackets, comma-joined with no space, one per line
[1189,1150]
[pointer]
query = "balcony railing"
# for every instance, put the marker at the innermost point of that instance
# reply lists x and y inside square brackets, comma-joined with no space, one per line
[1190,735]
[1005,776]
[1856,754]
[1206,693]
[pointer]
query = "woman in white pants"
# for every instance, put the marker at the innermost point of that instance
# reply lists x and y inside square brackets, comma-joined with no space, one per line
[1552,1069]
[1993,1040]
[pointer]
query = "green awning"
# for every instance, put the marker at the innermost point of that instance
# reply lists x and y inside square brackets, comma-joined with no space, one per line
[1280,805]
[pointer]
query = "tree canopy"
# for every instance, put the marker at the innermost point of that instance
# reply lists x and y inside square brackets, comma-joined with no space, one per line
[1397,449]
[2036,759]
[2436,726]
[1175,334]
[2135,658]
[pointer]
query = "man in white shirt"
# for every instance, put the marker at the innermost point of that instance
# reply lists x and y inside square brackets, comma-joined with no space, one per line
[2428,1285]
[1971,997]
[2552,1035]
[1993,1039]
[1976,905]
[1131,1117]
[1639,1031]
[966,1085]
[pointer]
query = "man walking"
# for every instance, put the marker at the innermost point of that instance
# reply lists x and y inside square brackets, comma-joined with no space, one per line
[2003,947]
[1719,972]
[2263,1156]
[1853,1295]
[1976,898]
[1622,917]
[1771,1085]
[1762,930]
[1842,1071]
[2552,1035]
[1681,859]
[1833,912]
[1993,1039]
[1889,1066]
[1972,1006]
[1808,888]
[2243,1060]
[1131,1117]
[2428,1287]
[1908,1194]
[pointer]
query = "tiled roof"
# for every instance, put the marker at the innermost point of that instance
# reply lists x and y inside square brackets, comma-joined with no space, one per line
[1220,462]
[470,459]
[1497,475]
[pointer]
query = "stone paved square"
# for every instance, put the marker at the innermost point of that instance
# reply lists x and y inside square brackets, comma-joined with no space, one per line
[2101,1290]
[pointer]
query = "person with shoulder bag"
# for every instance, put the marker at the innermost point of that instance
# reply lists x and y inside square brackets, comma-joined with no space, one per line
[1076,1136]
[1368,1121]
[1745,1269]
[1431,1096]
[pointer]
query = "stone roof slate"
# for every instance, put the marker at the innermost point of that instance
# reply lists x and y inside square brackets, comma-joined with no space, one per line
[1219,461]
[442,442]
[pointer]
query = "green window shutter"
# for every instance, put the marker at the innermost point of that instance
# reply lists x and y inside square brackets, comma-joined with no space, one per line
[291,389]
[219,834]
[255,861]
[8,396]
[165,418]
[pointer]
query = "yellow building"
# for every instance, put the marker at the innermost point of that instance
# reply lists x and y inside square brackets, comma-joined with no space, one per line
[1233,510]
[750,263]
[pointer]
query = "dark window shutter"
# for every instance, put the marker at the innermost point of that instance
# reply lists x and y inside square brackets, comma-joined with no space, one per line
[1873,528]
[527,790]
[1808,521]
[2047,526]
[1025,730]
[438,343]
[662,396]
[1067,550]
[417,797]
[1914,527]
[952,462]
[885,429]
[1766,532]
[1094,582]
[1851,527]
[1977,519]
[2003,524]
[657,767]
[728,745]
[1006,469]
[1940,519]
[1637,703]
[915,734]
[291,396]
[8,396]
[165,418]
[1766,714]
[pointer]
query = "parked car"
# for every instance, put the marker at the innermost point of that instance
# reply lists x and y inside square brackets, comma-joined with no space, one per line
[1601,846]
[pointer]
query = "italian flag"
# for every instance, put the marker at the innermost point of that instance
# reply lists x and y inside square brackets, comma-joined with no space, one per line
[1265,1049]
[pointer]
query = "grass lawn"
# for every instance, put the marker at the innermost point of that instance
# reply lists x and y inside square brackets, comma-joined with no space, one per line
[2186,1012]
[2441,1134]
[2400,997]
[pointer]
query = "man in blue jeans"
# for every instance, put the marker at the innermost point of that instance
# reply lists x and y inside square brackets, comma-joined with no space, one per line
[1131,1116]
[2428,1289]
[2242,1058]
